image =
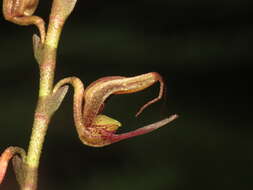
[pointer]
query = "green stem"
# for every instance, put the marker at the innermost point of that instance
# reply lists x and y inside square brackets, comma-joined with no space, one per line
[42,114]
[45,54]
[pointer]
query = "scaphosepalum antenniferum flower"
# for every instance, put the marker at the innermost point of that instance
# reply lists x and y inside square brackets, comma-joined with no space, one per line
[99,130]
[94,129]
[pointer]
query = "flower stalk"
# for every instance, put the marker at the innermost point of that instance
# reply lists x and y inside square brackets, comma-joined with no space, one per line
[45,48]
[94,129]
[48,102]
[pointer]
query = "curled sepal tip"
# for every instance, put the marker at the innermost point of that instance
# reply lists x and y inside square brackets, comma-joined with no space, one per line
[5,157]
[21,12]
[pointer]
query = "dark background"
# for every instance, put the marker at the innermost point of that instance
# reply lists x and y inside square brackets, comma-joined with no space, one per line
[202,50]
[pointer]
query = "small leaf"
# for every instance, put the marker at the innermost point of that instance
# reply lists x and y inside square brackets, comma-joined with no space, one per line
[37,47]
[19,169]
[55,100]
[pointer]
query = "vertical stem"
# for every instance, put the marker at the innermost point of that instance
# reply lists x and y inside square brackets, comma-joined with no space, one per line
[42,116]
[46,56]
[47,67]
[40,125]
